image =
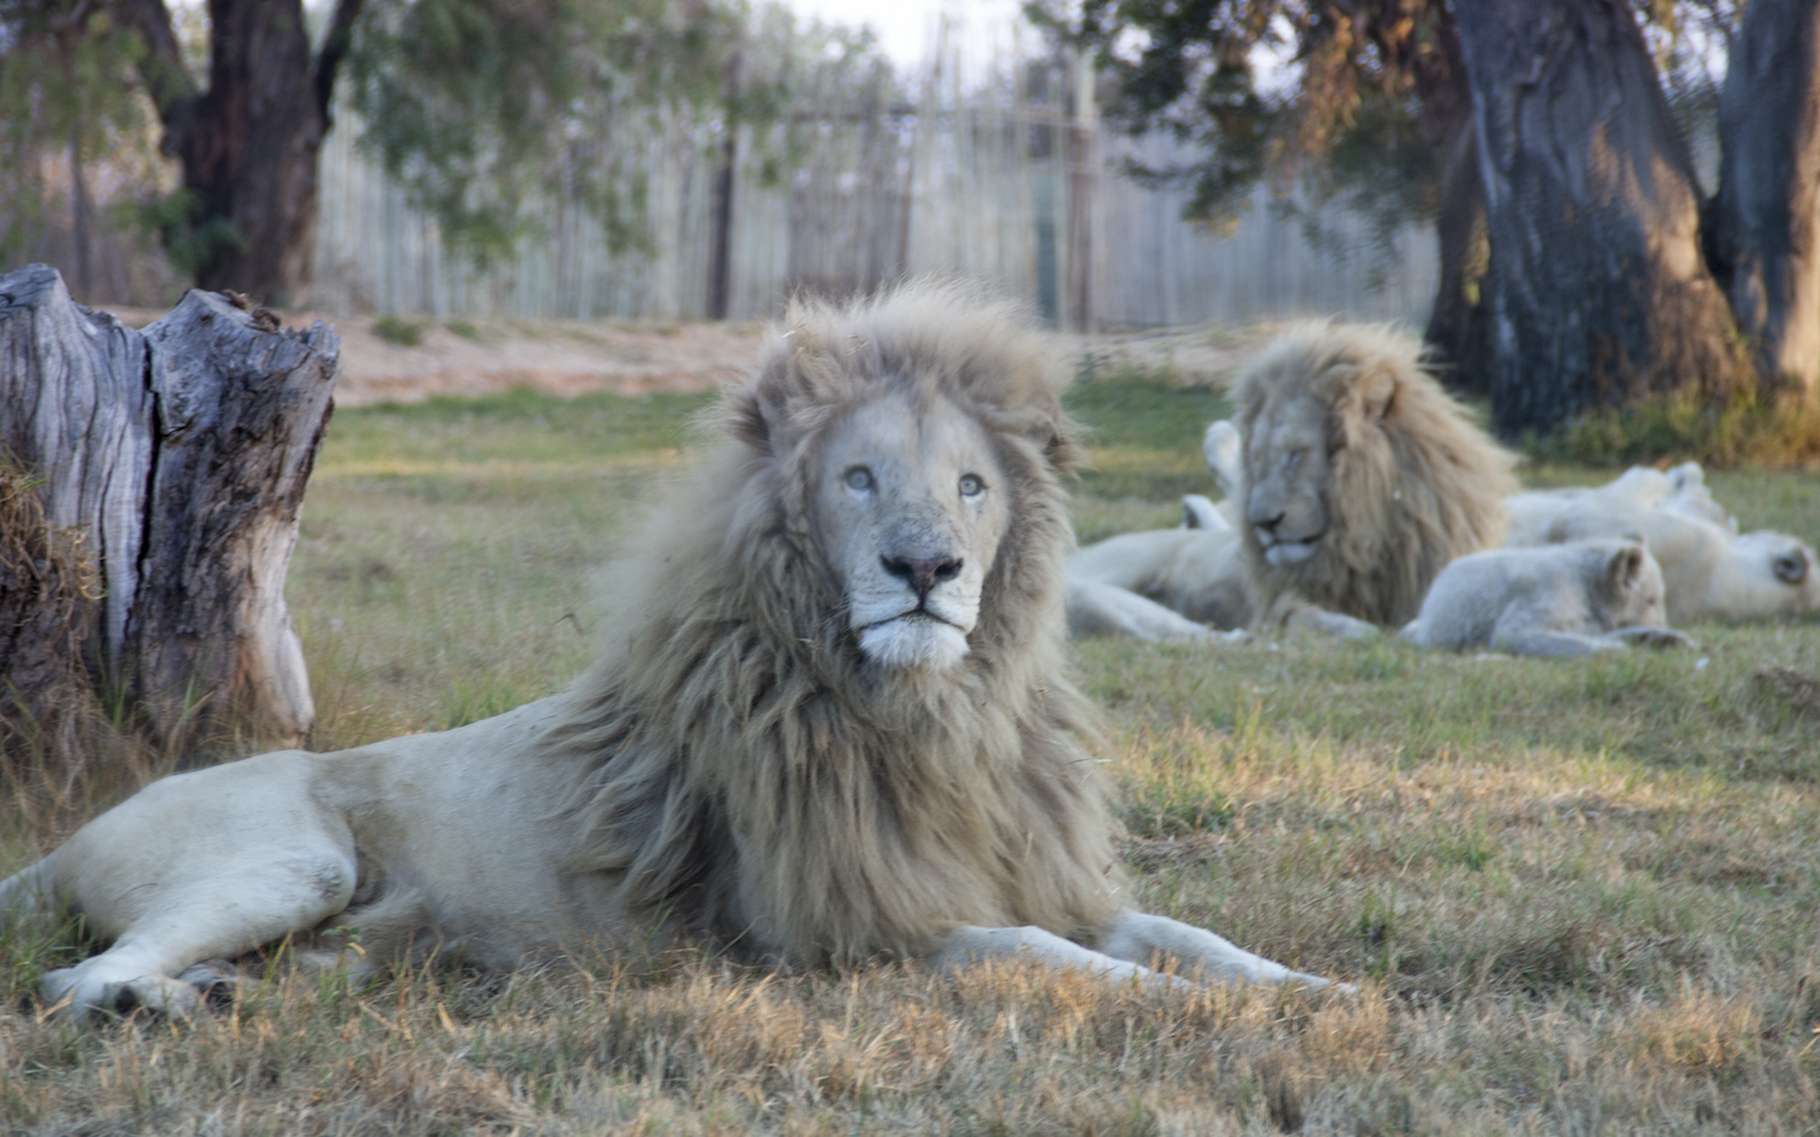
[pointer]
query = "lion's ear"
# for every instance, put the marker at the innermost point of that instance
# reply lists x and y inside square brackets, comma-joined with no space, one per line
[1377,392]
[746,421]
[1625,566]
[788,377]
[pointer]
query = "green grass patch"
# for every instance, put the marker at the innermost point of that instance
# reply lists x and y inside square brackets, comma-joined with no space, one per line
[1579,895]
[1777,434]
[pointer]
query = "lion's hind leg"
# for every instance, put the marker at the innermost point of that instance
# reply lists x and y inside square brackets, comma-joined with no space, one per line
[162,961]
[193,868]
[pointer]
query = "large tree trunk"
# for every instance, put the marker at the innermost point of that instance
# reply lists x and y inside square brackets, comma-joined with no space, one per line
[1459,323]
[1764,223]
[1599,292]
[1420,39]
[249,151]
[170,465]
[248,143]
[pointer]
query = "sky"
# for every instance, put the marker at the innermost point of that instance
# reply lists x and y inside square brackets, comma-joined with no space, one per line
[905,27]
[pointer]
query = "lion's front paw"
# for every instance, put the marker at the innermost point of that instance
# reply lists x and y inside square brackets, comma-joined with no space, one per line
[1657,637]
[81,993]
[1321,983]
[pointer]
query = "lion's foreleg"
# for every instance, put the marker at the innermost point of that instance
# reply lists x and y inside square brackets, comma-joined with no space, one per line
[968,944]
[1096,609]
[1143,938]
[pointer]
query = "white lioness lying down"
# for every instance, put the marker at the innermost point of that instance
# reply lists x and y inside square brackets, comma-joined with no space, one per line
[1170,585]
[1555,600]
[833,722]
[1712,572]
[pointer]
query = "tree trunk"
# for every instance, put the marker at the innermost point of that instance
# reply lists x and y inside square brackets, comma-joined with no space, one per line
[720,250]
[1764,223]
[1083,161]
[1598,289]
[1459,324]
[249,150]
[82,213]
[248,143]
[176,459]
[1420,39]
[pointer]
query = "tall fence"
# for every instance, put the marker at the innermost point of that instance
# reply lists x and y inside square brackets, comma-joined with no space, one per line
[1015,182]
[1010,177]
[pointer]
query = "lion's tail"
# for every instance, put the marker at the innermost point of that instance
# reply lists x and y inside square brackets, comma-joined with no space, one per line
[27,891]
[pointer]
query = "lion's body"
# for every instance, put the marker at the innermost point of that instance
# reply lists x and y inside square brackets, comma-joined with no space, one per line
[1555,600]
[1197,573]
[1712,572]
[785,747]
[1362,478]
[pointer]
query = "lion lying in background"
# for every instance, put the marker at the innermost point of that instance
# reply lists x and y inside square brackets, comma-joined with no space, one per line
[1711,571]
[1362,478]
[1556,600]
[1357,480]
[832,722]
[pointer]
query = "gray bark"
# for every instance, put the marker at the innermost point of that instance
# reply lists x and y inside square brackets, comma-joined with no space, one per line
[179,455]
[1764,223]
[1599,293]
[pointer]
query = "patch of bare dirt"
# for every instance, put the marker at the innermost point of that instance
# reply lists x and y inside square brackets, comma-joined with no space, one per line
[574,357]
[557,357]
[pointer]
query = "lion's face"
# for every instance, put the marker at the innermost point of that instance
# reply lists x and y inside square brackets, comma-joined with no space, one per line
[1288,458]
[1764,575]
[1634,595]
[911,505]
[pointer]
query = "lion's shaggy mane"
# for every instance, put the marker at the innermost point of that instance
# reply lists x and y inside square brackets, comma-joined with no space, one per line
[1408,490]
[751,774]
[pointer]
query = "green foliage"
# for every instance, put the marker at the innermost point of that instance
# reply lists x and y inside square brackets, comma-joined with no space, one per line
[478,107]
[485,109]
[398,330]
[60,68]
[1357,105]
[1347,122]
[189,238]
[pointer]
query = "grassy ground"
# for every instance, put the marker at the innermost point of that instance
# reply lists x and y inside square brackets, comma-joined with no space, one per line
[1580,897]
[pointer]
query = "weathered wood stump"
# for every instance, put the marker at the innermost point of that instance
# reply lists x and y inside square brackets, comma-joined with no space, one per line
[168,466]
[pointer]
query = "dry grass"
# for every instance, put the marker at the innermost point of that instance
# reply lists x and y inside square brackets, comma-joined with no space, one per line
[1580,897]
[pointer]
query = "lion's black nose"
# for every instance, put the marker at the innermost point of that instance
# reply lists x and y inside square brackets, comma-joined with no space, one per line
[1267,523]
[922,573]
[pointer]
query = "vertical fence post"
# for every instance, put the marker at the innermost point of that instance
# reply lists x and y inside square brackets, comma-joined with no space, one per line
[720,249]
[1083,154]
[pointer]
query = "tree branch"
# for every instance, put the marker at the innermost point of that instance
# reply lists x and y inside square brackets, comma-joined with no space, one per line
[334,49]
[161,69]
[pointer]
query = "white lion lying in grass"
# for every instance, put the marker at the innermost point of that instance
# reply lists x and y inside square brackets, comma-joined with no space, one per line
[1555,600]
[832,722]
[1712,572]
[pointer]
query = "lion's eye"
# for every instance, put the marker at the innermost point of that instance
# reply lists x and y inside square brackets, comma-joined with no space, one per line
[972,485]
[858,478]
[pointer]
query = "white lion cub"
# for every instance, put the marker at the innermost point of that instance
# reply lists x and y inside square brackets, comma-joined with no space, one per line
[1555,600]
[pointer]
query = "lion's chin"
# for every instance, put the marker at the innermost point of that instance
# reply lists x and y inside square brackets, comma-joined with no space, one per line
[915,640]
[1285,553]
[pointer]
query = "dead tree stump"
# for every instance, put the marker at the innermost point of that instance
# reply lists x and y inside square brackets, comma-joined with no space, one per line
[169,465]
